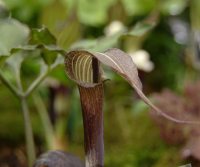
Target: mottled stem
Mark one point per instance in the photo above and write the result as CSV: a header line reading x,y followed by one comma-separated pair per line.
x,y
92,105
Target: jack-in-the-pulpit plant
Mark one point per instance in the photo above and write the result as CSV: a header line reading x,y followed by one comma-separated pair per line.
x,y
85,69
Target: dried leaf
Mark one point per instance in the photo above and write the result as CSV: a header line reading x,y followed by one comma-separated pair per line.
x,y
123,64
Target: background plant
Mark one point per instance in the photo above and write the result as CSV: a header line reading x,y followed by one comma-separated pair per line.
x,y
73,27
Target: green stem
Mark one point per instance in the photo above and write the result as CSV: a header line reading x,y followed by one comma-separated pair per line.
x,y
37,82
42,76
28,132
22,96
30,148
10,86
48,128
28,127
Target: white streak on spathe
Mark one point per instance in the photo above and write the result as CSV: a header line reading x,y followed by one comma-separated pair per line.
x,y
85,71
76,68
80,68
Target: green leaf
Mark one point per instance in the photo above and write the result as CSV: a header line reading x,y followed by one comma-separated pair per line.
x,y
144,26
106,42
69,33
54,16
62,22
173,7
15,61
100,44
4,12
25,10
93,12
48,53
30,67
42,36
23,48
43,40
139,7
13,34
84,44
141,29
49,56
2,59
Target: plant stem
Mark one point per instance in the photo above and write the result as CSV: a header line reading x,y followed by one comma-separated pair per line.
x,y
36,83
22,96
38,80
10,86
48,128
30,148
92,105
28,133
27,121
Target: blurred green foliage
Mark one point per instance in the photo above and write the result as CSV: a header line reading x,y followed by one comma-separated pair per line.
x,y
168,51
36,33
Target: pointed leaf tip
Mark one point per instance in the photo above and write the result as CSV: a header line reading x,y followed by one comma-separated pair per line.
x,y
122,63
42,36
83,68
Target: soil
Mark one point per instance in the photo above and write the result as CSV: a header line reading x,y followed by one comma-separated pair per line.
x,y
12,156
